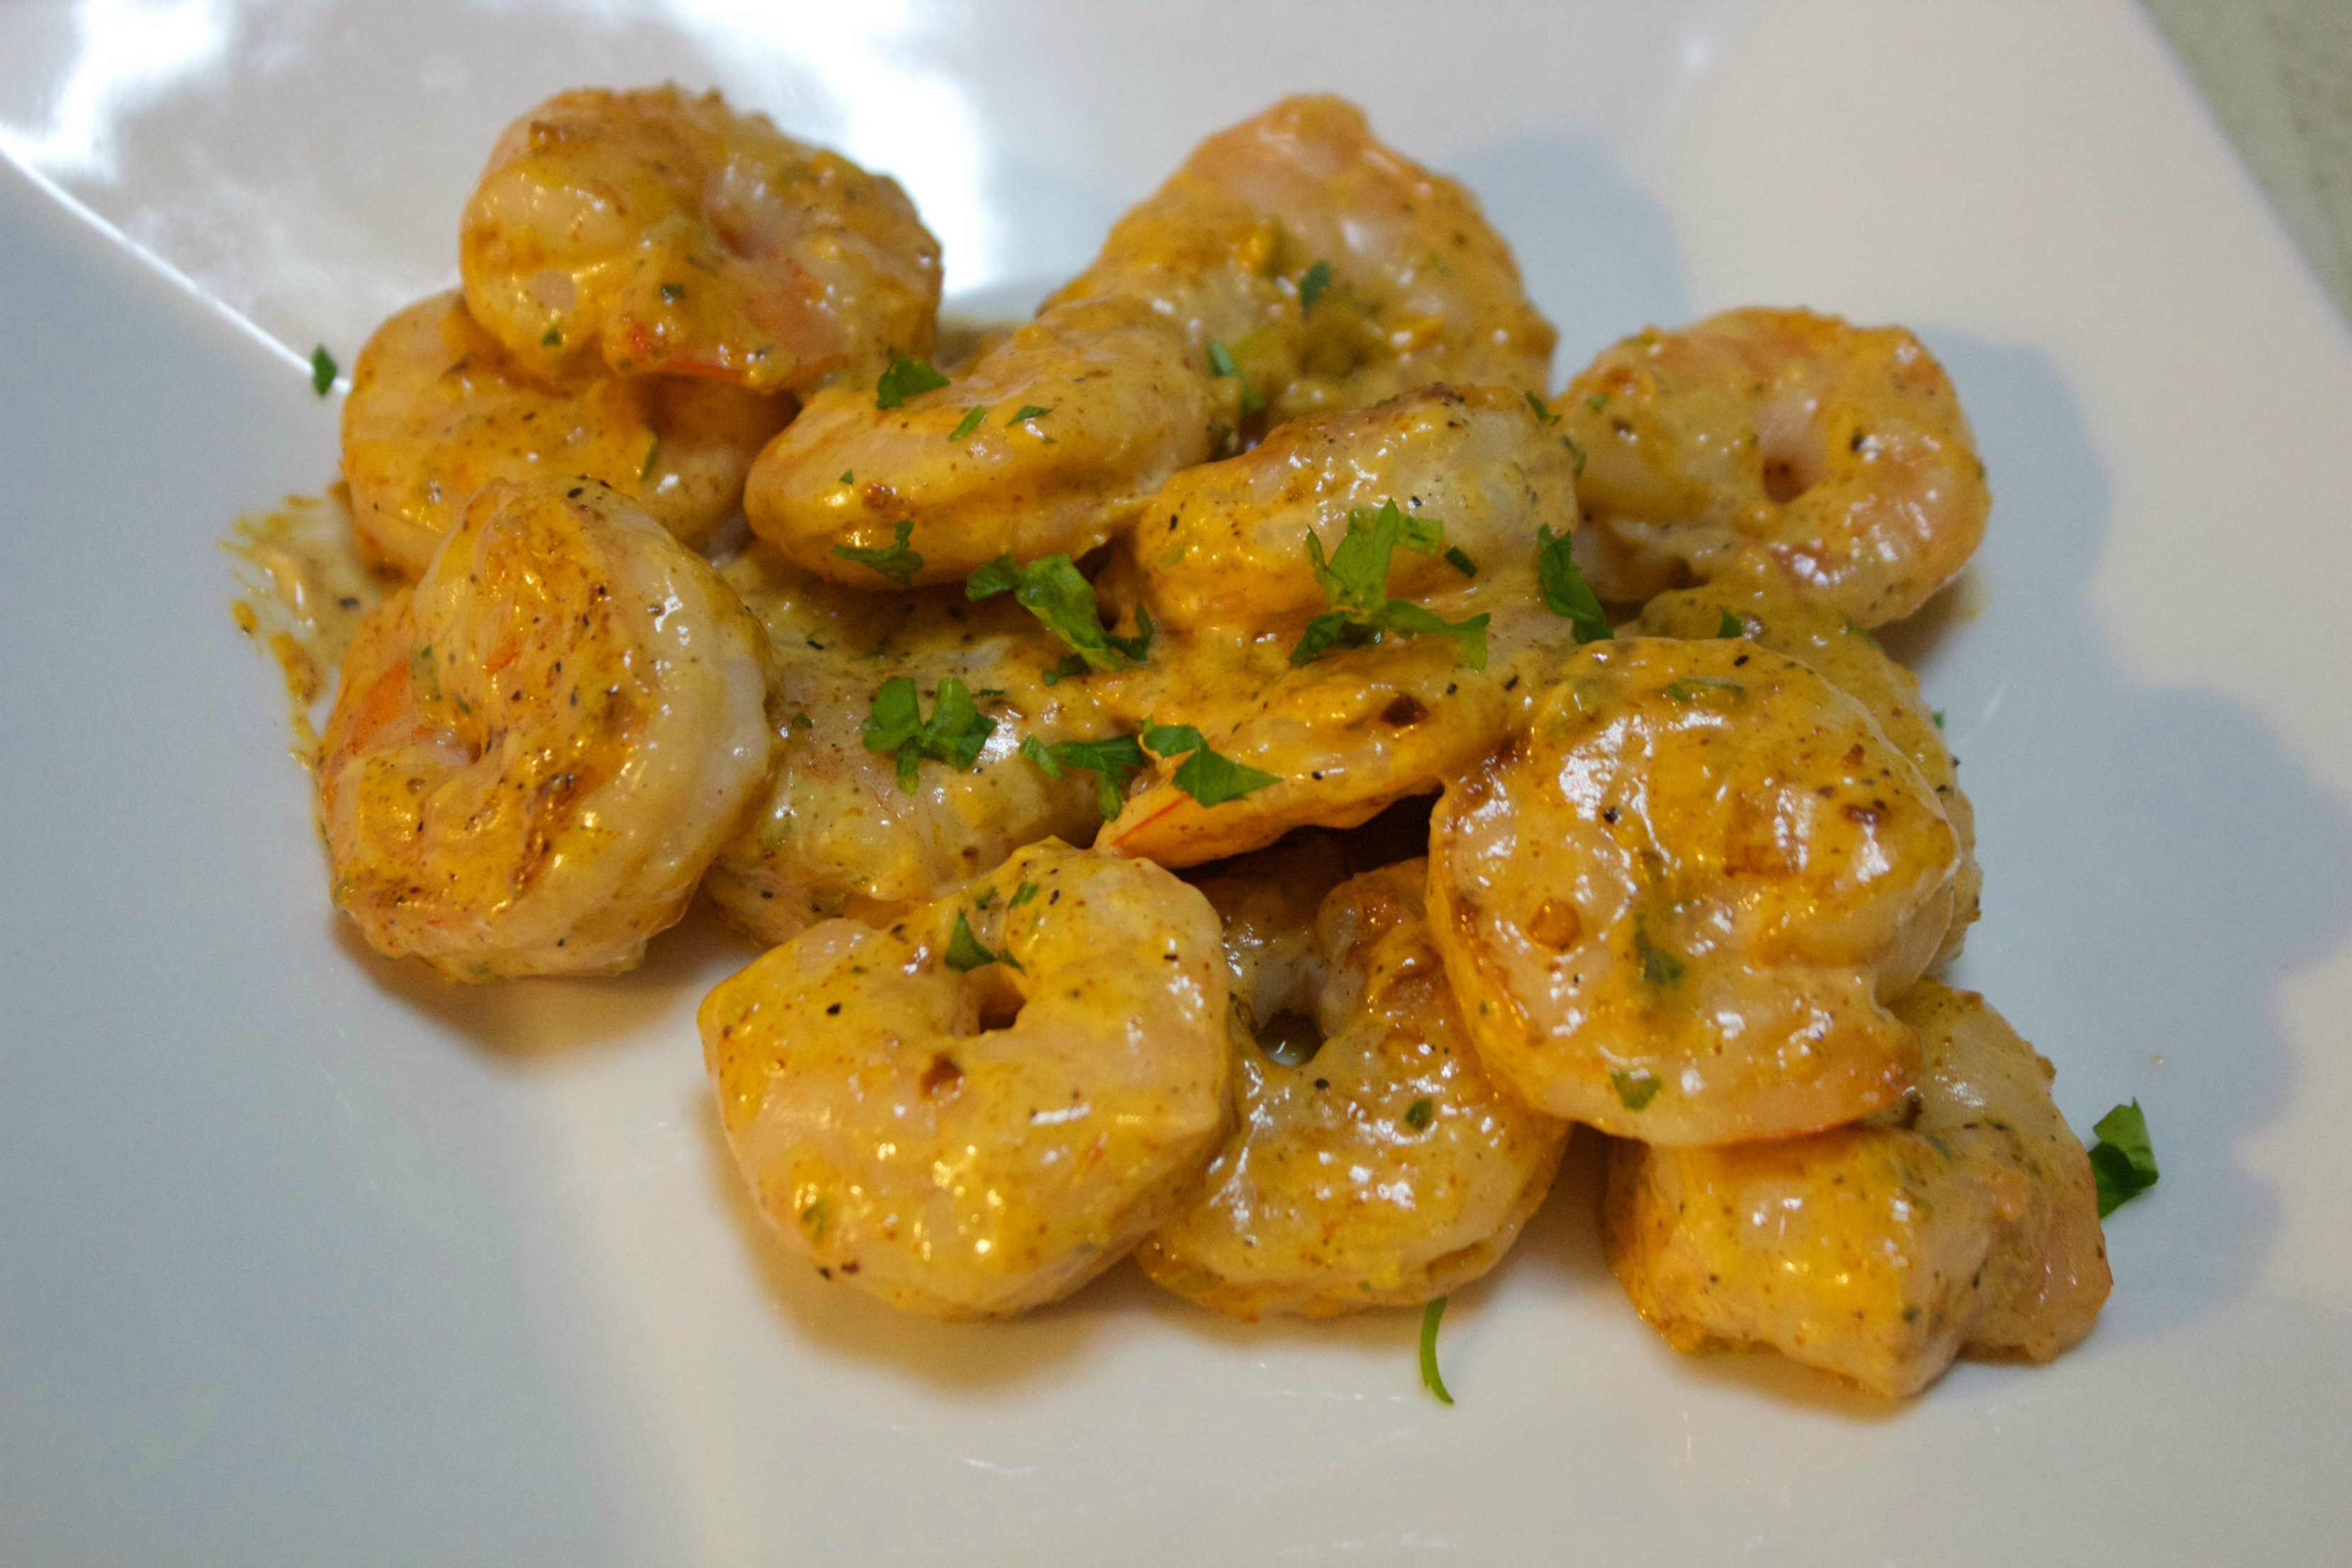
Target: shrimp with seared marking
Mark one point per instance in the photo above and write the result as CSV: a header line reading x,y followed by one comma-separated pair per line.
x,y
1833,456
982,1108
1964,1222
644,231
1046,444
438,407
836,833
1334,272
1675,903
1223,556
1836,648
537,750
1375,1164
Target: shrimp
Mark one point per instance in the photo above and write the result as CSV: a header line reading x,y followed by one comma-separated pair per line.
x,y
1223,556
1967,1223
1383,1169
1046,444
437,407
1335,272
982,1108
835,833
1673,903
536,751
1840,651
1835,456
651,231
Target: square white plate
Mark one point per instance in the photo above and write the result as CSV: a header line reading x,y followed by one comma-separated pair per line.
x,y
307,1259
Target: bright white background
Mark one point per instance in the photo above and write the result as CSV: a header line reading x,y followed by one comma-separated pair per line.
x,y
305,1257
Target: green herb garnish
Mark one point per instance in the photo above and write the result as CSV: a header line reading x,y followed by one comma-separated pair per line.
x,y
1730,626
1693,687
1355,585
1544,415
1055,592
1208,778
1939,717
1311,284
904,379
850,476
1021,895
672,293
2123,1161
1028,412
899,564
1565,592
1111,760
965,954
1419,1114
969,422
1659,967
953,735
646,468
1221,360
1430,1316
1574,451
1070,669
1635,1089
322,370
1597,402
1460,561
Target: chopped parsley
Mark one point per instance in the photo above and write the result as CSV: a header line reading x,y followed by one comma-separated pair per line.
x,y
1939,717
322,370
1028,412
646,468
1597,402
1021,895
1730,626
2123,1161
1221,360
1208,778
1311,284
803,721
1430,1316
672,293
1053,591
1574,451
1565,592
1635,1089
1457,558
1111,760
1419,1114
1543,416
850,476
969,422
904,379
1355,578
1854,628
965,954
1070,669
899,564
1659,967
953,735
1693,687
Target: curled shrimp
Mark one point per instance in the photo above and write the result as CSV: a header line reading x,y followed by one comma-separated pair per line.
x,y
1836,456
1674,904
1966,1222
984,1106
1837,649
536,751
652,231
1375,1164
1334,271
837,832
1047,443
438,408
1223,556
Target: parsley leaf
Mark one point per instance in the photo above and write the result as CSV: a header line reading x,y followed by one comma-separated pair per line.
x,y
1543,416
1939,717
1055,592
969,422
322,370
903,380
953,735
1221,360
1021,895
1574,451
1208,778
1597,402
1693,687
899,564
1070,669
1431,1316
1419,1114
1028,412
1659,967
1565,592
1731,625
646,468
850,476
1111,760
1355,578
2123,1161
965,954
1460,561
1635,1089
1311,284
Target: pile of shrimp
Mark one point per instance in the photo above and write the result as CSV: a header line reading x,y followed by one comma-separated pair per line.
x,y
1231,772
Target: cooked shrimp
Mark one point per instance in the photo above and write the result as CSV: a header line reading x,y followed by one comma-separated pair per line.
x,y
1383,1169
438,407
1673,903
1837,454
835,833
1965,1222
537,750
1837,649
652,231
1225,544
1047,444
1334,271
982,1108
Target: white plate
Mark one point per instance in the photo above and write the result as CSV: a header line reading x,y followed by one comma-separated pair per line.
x,y
304,1258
